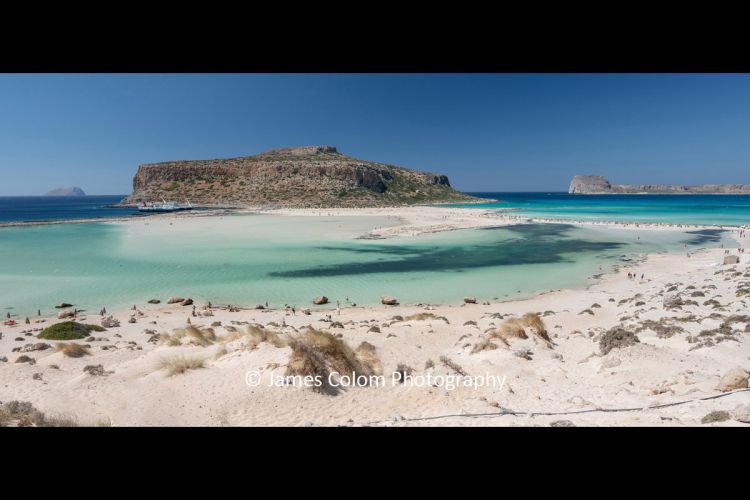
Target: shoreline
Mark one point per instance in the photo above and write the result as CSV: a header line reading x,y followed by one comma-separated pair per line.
x,y
567,376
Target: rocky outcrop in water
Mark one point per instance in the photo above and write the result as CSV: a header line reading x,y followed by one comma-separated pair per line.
x,y
310,176
596,184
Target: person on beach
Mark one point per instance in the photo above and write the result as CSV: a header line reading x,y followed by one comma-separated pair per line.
x,y
27,321
38,312
294,311
7,315
338,308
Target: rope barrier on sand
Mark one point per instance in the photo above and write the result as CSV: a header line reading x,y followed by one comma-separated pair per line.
x,y
506,411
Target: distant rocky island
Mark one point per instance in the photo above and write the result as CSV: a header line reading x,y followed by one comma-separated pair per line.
x,y
69,191
311,176
596,184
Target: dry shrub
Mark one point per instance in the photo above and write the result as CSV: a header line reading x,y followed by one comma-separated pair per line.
x,y
516,328
533,321
617,338
483,345
317,353
180,364
305,361
367,354
510,328
404,371
72,350
24,414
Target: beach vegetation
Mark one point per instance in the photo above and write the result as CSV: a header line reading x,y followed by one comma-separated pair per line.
x,y
24,414
483,345
617,338
452,365
180,364
403,371
69,330
533,321
510,328
425,316
72,350
367,354
317,354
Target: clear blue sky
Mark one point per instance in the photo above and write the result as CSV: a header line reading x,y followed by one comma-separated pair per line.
x,y
486,132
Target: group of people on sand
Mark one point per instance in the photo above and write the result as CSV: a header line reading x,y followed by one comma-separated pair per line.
x,y
634,276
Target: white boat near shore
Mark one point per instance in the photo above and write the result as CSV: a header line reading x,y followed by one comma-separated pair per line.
x,y
164,206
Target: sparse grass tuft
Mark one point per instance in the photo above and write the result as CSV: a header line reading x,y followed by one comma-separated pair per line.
x,y
366,353
533,321
180,364
452,365
424,317
24,414
510,328
72,350
483,345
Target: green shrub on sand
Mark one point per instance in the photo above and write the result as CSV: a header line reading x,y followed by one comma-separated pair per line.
x,y
69,330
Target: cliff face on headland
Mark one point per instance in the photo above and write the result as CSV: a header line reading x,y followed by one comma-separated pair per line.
x,y
310,176
595,184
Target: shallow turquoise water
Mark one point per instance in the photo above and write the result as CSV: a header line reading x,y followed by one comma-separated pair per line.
x,y
249,259
678,209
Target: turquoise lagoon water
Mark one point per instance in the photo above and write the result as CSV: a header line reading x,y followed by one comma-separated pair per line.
x,y
250,259
731,210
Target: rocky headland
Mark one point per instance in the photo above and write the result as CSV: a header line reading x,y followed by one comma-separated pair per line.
x,y
312,176
596,184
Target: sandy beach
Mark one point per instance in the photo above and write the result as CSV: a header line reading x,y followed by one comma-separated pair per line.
x,y
653,350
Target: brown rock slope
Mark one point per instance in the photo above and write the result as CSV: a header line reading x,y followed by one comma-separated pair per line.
x,y
301,177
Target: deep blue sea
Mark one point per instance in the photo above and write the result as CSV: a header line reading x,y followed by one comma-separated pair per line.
x,y
678,209
45,208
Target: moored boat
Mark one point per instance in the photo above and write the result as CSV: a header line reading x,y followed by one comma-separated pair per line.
x,y
164,206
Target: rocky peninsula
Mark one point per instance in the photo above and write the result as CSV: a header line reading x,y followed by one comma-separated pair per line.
x,y
596,184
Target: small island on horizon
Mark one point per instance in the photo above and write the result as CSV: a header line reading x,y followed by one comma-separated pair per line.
x,y
66,191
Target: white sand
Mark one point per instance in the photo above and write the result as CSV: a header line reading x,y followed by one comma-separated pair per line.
x,y
571,376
